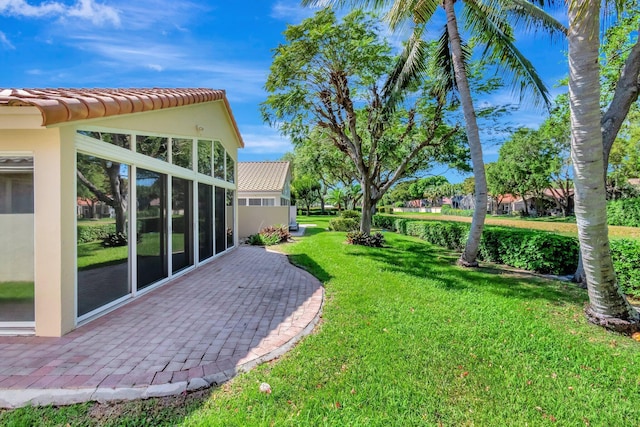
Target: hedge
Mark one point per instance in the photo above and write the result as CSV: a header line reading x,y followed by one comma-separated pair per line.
x,y
626,263
448,210
624,212
344,224
94,232
534,250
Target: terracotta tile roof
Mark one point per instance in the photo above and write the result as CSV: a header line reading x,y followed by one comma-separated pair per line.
x,y
262,176
66,105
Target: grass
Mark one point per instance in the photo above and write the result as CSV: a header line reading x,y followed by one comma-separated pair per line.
x,y
93,254
563,226
16,291
408,338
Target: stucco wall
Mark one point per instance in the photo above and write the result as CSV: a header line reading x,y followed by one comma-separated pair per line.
x,y
252,218
16,250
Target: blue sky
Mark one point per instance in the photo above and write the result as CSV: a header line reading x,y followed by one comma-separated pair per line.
x,y
164,43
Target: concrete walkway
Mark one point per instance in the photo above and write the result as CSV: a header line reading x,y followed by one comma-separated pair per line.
x,y
242,309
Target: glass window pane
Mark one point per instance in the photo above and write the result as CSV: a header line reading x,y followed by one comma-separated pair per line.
x,y
219,160
255,202
221,241
268,202
230,169
181,224
121,140
102,243
181,150
151,245
204,157
205,221
242,202
152,146
16,240
230,218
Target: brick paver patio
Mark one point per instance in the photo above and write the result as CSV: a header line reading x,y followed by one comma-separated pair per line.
x,y
243,308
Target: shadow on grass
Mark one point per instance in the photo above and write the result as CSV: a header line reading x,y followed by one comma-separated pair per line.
x,y
307,263
422,260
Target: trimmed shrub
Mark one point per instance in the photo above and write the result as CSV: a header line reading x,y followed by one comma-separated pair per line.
x,y
451,235
344,224
626,262
375,240
271,235
94,232
383,221
351,214
531,250
399,204
625,212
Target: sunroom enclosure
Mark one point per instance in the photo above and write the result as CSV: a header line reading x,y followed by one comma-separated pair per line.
x,y
106,194
149,191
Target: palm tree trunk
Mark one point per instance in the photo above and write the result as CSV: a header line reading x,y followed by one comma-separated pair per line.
x,y
468,257
607,305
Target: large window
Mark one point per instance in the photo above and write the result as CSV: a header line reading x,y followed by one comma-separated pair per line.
x,y
102,244
181,150
221,223
230,230
16,239
153,146
204,157
231,170
181,224
151,246
218,160
205,221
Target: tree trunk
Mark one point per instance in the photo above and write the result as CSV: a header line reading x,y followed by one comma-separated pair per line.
x,y
607,305
367,205
468,258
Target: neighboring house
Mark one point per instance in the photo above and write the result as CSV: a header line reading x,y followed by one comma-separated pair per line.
x,y
264,196
161,163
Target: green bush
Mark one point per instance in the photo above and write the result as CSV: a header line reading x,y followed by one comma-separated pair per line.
x,y
624,212
114,240
383,221
94,232
343,224
351,214
532,250
626,262
451,235
399,204
375,240
271,235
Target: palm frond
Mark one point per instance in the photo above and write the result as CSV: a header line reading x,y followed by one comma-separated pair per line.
x,y
408,70
420,11
496,34
441,64
532,17
360,4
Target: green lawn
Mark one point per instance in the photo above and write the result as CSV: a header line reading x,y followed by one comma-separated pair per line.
x,y
409,339
16,291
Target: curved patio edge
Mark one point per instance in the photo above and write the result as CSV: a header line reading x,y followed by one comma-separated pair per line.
x,y
198,378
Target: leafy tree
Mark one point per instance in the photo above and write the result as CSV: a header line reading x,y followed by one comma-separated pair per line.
x,y
488,22
306,190
326,78
498,184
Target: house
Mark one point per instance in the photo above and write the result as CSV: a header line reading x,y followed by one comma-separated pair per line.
x,y
264,196
82,170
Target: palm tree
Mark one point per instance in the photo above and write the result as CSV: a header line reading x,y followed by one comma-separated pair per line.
x,y
608,306
486,19
337,197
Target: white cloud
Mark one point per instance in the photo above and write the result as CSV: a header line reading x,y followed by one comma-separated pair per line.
x,y
155,67
291,11
97,13
4,41
263,140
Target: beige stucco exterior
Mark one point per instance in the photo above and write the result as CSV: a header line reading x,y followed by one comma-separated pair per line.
x,y
253,218
55,204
